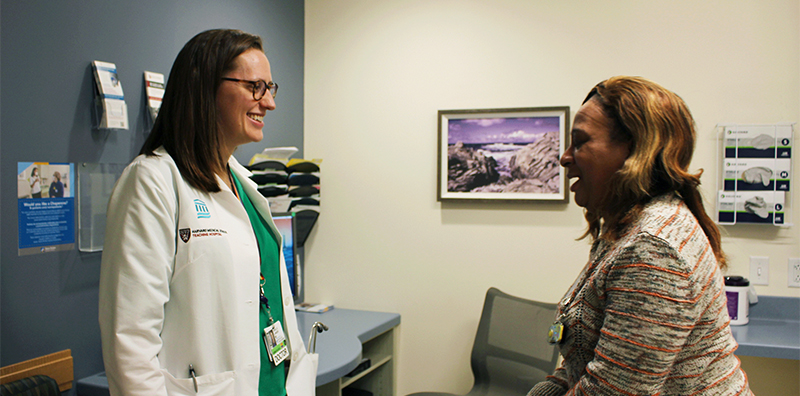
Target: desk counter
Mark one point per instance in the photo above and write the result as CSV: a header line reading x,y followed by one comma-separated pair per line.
x,y
773,330
340,348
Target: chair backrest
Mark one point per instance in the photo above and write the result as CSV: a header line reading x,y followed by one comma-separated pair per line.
x,y
37,385
511,352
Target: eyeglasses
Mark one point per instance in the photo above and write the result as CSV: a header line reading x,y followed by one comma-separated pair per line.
x,y
260,87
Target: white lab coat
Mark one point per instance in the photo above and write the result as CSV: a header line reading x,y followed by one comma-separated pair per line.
x,y
179,285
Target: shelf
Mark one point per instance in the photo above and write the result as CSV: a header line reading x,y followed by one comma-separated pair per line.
x,y
353,337
379,377
347,381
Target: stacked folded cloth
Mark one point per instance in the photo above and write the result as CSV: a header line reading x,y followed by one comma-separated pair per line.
x,y
291,185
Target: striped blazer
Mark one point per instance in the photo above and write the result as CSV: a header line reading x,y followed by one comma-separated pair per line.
x,y
648,315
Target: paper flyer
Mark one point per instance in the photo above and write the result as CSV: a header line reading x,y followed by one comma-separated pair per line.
x,y
114,110
46,205
154,88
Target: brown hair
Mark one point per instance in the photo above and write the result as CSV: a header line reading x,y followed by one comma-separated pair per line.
x,y
660,131
187,122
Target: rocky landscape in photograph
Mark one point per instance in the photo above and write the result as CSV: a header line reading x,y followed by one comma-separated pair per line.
x,y
505,168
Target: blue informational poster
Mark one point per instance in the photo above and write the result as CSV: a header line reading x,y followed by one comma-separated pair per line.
x,y
46,205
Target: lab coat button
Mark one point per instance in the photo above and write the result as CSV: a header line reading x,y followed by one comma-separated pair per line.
x,y
287,301
249,301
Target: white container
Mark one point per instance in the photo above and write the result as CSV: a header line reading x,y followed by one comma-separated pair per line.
x,y
740,295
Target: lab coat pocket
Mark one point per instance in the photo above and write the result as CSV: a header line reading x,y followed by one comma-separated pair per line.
x,y
217,384
302,379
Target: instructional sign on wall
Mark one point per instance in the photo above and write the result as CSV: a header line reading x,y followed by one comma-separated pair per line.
x,y
46,205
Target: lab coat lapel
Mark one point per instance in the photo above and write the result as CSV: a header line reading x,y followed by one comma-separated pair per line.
x,y
262,205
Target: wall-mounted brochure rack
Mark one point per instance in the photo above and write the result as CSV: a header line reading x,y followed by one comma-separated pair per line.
x,y
755,183
95,184
110,110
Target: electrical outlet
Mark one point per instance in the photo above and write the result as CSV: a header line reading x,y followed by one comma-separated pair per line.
x,y
759,270
794,272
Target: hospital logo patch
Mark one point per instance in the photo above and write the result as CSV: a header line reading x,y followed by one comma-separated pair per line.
x,y
202,209
185,234
208,232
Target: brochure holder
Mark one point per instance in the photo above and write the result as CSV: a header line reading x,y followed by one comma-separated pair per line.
x,y
110,110
95,184
755,181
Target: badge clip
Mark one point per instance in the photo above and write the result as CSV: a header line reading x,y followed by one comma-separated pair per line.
x,y
556,333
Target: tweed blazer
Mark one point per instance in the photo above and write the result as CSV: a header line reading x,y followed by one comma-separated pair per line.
x,y
648,315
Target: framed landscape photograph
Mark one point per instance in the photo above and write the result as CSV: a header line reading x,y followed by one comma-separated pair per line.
x,y
502,154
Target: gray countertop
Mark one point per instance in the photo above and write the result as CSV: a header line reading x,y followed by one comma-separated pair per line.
x,y
773,330
339,348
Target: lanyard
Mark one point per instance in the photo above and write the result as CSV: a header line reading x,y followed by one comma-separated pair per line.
x,y
263,298
274,338
233,185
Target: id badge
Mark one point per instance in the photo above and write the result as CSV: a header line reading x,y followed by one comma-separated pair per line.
x,y
275,341
556,333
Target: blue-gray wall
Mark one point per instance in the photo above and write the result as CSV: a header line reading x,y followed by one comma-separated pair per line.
x,y
49,301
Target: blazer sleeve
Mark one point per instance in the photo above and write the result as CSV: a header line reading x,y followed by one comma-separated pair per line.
x,y
136,267
554,385
651,309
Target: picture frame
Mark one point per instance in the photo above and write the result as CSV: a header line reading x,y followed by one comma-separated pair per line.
x,y
502,154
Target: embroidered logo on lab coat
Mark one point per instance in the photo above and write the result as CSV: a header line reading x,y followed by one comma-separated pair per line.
x,y
202,209
185,234
208,232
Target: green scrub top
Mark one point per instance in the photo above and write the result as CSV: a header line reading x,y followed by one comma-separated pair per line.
x,y
272,380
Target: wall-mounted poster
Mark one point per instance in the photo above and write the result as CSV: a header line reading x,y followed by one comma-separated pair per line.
x,y
46,205
502,154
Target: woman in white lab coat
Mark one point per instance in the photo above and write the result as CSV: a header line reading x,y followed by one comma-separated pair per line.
x,y
193,282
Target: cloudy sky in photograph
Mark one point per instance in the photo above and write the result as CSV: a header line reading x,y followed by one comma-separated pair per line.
x,y
499,130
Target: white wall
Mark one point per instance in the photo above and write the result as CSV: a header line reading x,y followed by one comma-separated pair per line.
x,y
376,72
